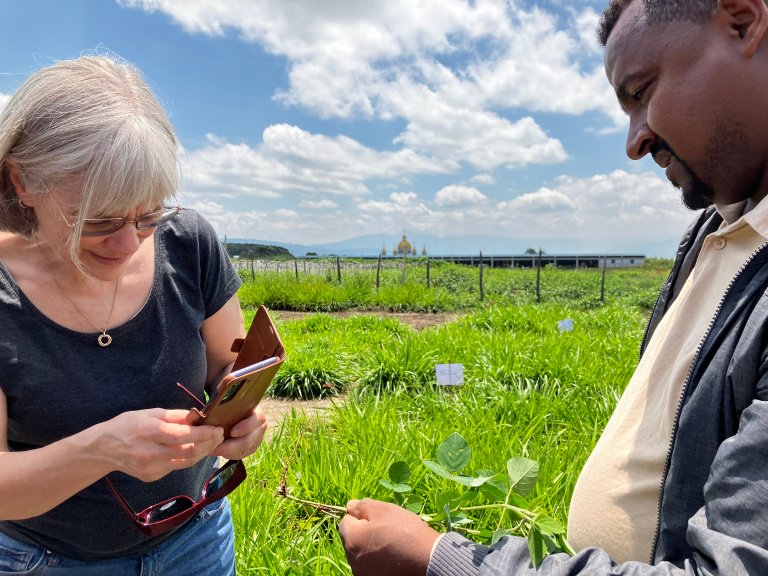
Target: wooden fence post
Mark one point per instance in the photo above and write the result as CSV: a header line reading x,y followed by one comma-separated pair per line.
x,y
428,283
602,280
378,273
253,272
296,267
405,255
338,269
482,292
538,278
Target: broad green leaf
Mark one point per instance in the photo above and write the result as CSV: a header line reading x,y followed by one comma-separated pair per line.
x,y
449,498
549,525
519,501
471,481
454,453
499,534
438,469
523,473
536,546
394,487
459,519
496,488
413,503
551,543
447,513
399,472
469,496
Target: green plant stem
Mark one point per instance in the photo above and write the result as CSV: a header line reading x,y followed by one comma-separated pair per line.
x,y
527,514
503,511
329,509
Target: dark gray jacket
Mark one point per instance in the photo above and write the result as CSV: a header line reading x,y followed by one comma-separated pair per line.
x,y
713,505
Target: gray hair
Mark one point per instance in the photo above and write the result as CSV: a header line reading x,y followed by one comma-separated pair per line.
x,y
91,120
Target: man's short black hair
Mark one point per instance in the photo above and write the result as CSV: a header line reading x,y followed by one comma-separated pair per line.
x,y
656,12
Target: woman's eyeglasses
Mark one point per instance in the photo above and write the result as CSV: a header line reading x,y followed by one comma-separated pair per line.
x,y
106,226
168,514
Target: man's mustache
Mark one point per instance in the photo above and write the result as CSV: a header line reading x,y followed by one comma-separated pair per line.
x,y
662,153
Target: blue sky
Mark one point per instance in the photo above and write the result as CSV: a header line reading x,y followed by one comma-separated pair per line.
x,y
314,121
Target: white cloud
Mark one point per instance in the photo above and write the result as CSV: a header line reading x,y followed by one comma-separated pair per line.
x,y
292,160
487,179
611,209
323,204
544,200
464,83
444,66
455,195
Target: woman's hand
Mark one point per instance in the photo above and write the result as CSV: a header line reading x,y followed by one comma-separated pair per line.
x,y
382,539
245,437
148,444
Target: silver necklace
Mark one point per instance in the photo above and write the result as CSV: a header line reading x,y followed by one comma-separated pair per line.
x,y
103,339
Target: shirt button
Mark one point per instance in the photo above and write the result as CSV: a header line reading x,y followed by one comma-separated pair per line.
x,y
719,243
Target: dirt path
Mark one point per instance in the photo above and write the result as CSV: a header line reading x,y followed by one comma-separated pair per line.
x,y
418,320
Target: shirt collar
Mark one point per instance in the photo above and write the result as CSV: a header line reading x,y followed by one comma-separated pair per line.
x,y
754,214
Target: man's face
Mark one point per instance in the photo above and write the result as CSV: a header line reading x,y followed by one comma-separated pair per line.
x,y
686,96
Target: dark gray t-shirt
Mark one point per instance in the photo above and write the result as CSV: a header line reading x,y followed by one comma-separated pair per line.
x,y
58,382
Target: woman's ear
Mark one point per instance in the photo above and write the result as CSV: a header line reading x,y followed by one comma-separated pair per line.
x,y
748,19
14,174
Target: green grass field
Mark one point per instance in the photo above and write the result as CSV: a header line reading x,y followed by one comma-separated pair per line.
x,y
529,390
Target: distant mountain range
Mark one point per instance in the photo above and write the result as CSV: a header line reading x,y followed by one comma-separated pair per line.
x,y
371,245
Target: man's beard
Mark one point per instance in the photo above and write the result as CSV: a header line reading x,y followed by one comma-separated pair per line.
x,y
695,193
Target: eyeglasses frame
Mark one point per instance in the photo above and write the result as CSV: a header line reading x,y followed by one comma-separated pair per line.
x,y
170,210
153,529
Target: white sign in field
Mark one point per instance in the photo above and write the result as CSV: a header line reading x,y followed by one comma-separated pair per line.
x,y
449,374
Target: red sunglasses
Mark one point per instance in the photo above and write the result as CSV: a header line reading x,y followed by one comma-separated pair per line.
x,y
168,514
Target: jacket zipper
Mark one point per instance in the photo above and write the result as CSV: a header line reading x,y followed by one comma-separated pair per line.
x,y
686,383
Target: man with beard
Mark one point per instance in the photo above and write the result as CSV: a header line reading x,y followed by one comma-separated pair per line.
x,y
678,482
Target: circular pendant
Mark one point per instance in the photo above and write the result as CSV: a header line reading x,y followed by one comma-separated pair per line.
x,y
104,340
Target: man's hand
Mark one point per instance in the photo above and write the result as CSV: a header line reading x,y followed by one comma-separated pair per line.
x,y
382,539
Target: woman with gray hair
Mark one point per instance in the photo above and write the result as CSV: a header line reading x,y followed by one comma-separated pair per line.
x,y
110,294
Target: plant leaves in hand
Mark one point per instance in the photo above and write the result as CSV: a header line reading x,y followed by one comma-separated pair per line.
x,y
394,487
537,548
523,474
454,453
399,472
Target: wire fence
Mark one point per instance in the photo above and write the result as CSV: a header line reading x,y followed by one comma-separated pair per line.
x,y
338,268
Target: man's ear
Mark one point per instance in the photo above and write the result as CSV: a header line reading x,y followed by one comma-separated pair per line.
x,y
746,18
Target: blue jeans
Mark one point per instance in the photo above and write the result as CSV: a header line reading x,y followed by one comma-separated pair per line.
x,y
204,547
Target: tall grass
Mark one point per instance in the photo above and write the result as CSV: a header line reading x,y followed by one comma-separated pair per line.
x,y
529,390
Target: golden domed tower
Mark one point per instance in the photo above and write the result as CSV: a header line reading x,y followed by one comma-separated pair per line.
x,y
403,247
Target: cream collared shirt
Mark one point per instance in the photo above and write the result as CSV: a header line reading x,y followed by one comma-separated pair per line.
x,y
615,502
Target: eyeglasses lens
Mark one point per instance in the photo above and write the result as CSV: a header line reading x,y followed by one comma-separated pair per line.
x,y
168,510
219,481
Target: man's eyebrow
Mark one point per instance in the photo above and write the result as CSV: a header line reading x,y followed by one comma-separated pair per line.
x,y
622,90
